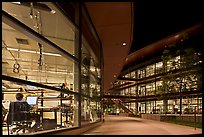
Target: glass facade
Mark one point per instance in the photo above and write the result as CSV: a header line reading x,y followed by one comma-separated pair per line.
x,y
170,84
49,22
44,54
90,87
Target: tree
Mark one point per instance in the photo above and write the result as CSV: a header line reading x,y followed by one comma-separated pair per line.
x,y
182,71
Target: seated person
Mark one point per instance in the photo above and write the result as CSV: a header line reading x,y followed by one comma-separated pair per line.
x,y
17,108
20,111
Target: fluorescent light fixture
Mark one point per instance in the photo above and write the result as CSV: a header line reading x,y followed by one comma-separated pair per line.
x,y
51,54
54,72
28,51
12,49
16,2
35,52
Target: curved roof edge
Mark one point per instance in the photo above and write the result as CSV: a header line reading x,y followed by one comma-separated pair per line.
x,y
160,45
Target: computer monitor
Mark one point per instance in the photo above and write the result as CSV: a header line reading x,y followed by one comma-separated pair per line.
x,y
32,100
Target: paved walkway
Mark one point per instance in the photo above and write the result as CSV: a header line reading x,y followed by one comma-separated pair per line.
x,y
120,125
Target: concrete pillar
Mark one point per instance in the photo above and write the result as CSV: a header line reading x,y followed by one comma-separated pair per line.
x,y
136,107
165,105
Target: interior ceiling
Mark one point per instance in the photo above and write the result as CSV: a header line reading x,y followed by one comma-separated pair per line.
x,y
55,69
112,21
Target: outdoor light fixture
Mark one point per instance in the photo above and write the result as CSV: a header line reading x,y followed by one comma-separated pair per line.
x,y
124,44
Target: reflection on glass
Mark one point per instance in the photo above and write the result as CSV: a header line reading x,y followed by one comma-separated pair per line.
x,y
90,111
90,73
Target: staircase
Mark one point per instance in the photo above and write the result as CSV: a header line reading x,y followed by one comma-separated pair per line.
x,y
119,103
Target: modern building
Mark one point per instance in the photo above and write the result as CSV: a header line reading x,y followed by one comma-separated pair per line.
x,y
48,53
75,61
168,84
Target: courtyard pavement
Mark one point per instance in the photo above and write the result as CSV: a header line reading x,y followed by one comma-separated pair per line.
x,y
121,125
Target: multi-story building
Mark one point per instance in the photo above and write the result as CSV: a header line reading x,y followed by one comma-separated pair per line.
x,y
47,52
169,83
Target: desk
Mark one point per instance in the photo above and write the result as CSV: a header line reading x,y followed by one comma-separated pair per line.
x,y
48,109
45,121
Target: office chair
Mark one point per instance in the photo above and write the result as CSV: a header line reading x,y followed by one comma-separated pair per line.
x,y
19,116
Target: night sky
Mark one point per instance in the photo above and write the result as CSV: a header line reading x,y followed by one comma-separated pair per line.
x,y
156,19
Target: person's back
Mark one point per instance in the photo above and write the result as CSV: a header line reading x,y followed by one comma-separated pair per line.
x,y
19,110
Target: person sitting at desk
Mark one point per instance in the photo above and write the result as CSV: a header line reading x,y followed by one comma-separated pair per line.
x,y
23,109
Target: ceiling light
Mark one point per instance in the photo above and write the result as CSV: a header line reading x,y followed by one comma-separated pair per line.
x,y
12,49
51,54
31,51
54,72
53,11
16,2
28,51
124,44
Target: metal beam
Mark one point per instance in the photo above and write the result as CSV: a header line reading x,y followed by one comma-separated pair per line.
x,y
8,78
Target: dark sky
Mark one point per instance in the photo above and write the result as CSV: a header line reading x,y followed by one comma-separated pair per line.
x,y
156,19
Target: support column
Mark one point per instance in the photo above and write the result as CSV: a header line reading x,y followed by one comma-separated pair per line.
x,y
77,66
165,104
136,107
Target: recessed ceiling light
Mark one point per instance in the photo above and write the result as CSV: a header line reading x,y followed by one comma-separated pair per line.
x,y
124,44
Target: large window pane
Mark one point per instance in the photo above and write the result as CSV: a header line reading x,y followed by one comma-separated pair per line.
x,y
46,19
34,63
53,109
